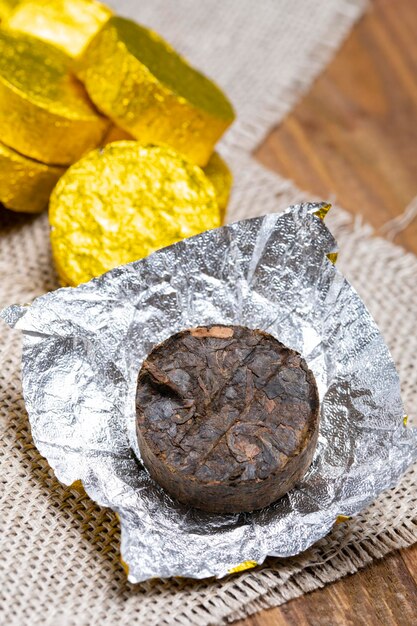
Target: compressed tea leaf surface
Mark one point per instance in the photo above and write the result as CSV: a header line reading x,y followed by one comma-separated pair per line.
x,y
227,417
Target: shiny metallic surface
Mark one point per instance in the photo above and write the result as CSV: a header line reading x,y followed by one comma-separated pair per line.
x,y
122,202
67,24
218,172
45,113
83,348
6,8
25,184
141,83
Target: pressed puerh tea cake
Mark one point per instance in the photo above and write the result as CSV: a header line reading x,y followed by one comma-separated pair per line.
x,y
227,417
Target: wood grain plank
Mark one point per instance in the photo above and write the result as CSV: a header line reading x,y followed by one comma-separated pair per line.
x,y
353,139
384,594
409,556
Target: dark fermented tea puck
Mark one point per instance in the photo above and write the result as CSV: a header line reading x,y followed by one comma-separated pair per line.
x,y
227,417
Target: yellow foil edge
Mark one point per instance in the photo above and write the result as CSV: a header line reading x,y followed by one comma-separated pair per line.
x,y
340,519
323,211
405,420
66,24
56,125
242,567
332,256
123,563
78,486
25,185
125,90
218,172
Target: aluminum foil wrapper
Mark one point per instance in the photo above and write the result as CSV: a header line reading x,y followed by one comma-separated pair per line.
x,y
83,348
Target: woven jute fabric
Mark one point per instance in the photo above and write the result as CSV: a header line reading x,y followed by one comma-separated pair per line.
x,y
59,561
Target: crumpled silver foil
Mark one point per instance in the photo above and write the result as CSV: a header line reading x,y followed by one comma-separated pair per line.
x,y
83,348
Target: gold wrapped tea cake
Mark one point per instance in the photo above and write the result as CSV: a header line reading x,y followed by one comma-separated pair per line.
x,y
6,8
146,88
216,170
221,177
44,112
67,24
117,134
123,202
25,185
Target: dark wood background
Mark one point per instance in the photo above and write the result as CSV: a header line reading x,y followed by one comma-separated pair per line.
x,y
354,138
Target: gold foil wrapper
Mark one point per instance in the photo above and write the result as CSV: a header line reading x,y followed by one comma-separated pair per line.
x,y
6,8
25,185
216,170
121,203
243,567
221,177
323,210
67,24
117,134
44,112
146,88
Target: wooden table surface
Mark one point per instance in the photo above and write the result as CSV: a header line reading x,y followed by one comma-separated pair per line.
x,y
354,138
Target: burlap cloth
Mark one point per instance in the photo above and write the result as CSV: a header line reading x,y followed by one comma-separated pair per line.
x,y
59,551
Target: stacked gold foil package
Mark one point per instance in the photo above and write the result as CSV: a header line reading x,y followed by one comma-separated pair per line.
x,y
123,122
67,24
47,121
